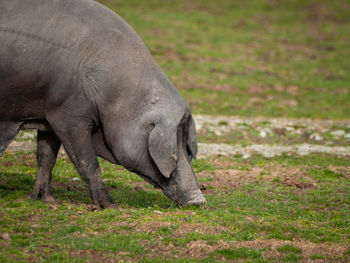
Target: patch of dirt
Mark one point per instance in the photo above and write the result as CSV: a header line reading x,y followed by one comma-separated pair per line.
x,y
97,256
155,224
263,19
30,164
290,102
344,170
257,101
7,164
223,87
230,179
226,180
6,238
193,82
139,186
293,90
156,31
308,248
257,89
194,249
34,221
69,186
217,162
201,249
318,12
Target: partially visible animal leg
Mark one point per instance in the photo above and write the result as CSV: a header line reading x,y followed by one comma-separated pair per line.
x,y
8,131
47,149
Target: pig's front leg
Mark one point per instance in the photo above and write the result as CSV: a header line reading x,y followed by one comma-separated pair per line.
x,y
79,146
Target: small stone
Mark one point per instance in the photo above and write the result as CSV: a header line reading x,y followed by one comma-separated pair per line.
x,y
218,132
158,212
268,130
6,237
28,135
316,137
262,134
76,179
347,136
53,207
338,133
199,126
246,156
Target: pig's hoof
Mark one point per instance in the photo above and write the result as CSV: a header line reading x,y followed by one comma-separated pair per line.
x,y
102,199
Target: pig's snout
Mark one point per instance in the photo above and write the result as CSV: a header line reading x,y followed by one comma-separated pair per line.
x,y
197,199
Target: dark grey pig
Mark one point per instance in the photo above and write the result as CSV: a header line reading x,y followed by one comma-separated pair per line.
x,y
79,74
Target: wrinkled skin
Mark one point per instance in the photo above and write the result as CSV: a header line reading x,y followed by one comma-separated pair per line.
x,y
79,74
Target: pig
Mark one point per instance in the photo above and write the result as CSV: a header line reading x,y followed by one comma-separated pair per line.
x,y
81,76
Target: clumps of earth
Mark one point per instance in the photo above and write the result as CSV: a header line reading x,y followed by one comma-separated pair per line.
x,y
229,179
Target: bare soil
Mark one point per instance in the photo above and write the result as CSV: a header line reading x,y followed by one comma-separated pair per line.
x,y
201,249
230,179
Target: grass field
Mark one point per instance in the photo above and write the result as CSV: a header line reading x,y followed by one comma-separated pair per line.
x,y
285,209
248,58
252,58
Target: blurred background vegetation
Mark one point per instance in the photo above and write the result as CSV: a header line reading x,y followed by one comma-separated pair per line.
x,y
250,58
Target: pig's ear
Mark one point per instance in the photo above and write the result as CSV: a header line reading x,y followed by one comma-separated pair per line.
x,y
192,138
162,146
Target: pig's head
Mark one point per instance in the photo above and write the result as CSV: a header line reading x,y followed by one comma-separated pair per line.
x,y
171,149
158,143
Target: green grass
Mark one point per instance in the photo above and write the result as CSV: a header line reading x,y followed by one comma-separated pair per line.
x,y
289,249
250,58
257,211
239,253
291,254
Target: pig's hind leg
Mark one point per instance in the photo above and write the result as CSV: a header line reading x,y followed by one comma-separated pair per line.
x,y
47,150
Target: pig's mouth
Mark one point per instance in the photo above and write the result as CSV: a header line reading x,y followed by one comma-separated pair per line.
x,y
195,197
172,191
